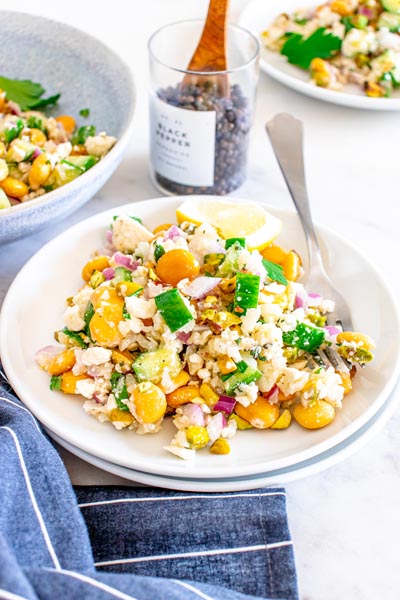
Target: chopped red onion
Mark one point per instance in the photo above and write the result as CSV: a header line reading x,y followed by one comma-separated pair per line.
x,y
215,426
193,413
37,152
173,232
214,247
366,11
14,107
201,286
184,337
46,354
109,273
273,394
332,330
225,403
126,261
313,295
109,235
298,302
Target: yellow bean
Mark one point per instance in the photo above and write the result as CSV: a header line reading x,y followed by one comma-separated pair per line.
x,y
183,395
99,263
13,187
37,137
261,414
69,381
361,339
123,416
62,362
149,402
292,266
40,171
316,415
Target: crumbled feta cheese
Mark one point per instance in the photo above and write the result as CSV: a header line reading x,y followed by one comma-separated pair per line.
x,y
99,145
95,356
72,318
86,387
140,308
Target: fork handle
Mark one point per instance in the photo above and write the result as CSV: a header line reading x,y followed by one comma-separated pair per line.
x,y
286,136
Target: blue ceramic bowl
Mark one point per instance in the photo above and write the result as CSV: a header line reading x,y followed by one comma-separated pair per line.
x,y
89,75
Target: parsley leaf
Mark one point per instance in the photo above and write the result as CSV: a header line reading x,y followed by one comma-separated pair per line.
x,y
304,337
274,271
84,112
26,93
301,51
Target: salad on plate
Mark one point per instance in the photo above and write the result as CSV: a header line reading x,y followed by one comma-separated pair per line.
x,y
342,42
205,322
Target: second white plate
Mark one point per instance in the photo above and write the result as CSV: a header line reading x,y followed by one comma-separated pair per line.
x,y
33,310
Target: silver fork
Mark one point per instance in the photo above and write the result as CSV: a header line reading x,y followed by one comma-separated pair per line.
x,y
286,136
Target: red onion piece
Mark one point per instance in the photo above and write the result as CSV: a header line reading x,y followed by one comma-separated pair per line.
x,y
200,287
214,247
109,235
45,355
37,152
173,232
332,330
193,413
14,108
226,404
313,295
273,394
366,11
298,302
215,426
109,273
184,337
126,261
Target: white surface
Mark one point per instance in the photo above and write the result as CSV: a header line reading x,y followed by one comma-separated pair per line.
x,y
258,16
278,477
344,521
60,262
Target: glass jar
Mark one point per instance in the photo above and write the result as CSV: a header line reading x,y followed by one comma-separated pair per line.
x,y
200,121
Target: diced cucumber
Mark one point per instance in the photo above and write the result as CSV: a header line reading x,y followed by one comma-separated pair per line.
x,y
390,21
84,163
246,292
230,264
243,376
122,274
173,309
4,201
392,6
149,366
62,173
20,151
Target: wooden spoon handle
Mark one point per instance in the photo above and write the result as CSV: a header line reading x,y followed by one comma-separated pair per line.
x,y
210,54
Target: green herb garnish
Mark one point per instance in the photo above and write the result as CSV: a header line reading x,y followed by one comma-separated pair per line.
x,y
301,51
55,382
304,337
274,271
84,112
81,135
26,93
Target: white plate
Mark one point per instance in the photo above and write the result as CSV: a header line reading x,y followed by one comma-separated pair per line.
x,y
258,15
33,310
272,478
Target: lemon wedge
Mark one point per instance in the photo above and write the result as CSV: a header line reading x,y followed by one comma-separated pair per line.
x,y
233,219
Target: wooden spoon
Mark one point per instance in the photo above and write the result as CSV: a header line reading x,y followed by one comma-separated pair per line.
x,y
210,54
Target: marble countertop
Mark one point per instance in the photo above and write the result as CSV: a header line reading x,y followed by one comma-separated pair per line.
x,y
345,520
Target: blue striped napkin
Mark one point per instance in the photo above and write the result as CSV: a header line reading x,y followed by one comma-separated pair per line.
x,y
129,542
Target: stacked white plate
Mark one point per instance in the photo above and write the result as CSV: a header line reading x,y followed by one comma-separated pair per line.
x,y
33,310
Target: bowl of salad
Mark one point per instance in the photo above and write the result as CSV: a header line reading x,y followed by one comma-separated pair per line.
x,y
64,120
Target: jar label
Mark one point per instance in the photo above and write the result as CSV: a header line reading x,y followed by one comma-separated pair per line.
x,y
182,143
